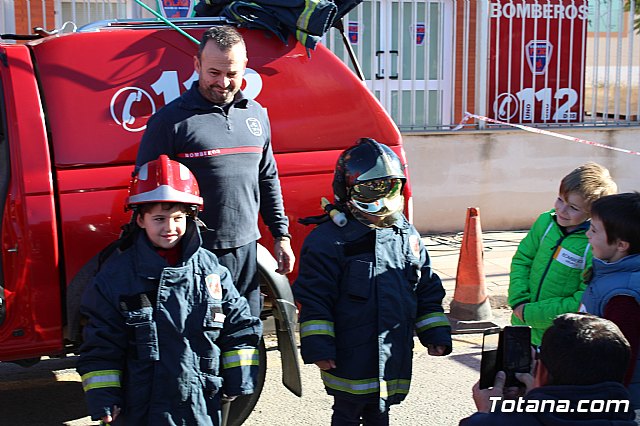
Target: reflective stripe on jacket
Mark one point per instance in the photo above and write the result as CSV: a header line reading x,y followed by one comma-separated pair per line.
x,y
156,334
362,293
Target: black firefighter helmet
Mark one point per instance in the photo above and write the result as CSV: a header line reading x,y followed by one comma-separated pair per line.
x,y
368,180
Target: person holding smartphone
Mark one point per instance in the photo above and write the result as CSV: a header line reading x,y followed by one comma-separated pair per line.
x,y
507,349
582,359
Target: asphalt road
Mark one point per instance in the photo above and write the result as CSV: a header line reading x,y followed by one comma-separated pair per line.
x,y
50,394
440,391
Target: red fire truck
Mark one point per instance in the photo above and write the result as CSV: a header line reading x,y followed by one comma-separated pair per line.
x,y
73,108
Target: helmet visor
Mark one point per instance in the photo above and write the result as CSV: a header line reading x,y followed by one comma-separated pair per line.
x,y
374,190
382,207
380,197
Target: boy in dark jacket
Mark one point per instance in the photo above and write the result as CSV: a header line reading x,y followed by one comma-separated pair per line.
x,y
364,289
168,335
614,282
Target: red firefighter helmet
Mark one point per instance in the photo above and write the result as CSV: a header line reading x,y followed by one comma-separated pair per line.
x,y
164,181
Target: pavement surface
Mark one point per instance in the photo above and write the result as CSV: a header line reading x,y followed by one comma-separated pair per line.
x,y
499,247
49,393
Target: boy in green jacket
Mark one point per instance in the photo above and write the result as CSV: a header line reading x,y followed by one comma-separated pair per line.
x,y
546,271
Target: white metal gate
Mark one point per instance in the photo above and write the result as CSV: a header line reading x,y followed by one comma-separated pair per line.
x,y
405,50
83,12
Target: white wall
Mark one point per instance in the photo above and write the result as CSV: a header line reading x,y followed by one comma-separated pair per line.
x,y
511,175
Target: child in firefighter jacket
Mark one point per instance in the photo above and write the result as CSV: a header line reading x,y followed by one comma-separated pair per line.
x,y
168,335
364,289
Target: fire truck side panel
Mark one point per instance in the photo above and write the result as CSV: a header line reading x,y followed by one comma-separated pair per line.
x,y
118,78
33,323
99,89
92,211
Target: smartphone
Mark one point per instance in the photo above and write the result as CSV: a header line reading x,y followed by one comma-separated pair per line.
x,y
516,352
491,357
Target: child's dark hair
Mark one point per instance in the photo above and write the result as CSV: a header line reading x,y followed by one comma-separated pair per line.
x,y
145,208
620,216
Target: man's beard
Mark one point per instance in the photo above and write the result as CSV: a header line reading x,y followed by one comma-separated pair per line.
x,y
214,96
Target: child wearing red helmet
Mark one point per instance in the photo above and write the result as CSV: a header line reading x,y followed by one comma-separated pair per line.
x,y
167,334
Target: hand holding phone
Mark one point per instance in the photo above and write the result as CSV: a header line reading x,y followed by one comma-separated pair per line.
x,y
516,352
491,358
507,350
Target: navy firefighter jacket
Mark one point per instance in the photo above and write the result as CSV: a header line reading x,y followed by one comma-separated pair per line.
x,y
163,343
362,294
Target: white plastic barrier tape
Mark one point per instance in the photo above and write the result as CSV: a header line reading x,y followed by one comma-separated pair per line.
x,y
468,115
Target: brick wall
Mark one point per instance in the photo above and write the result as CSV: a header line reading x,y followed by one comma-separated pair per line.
x,y
33,10
470,14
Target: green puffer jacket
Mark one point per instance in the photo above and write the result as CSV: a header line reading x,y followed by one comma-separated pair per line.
x,y
546,273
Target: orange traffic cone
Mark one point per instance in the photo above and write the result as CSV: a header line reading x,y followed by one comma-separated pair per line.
x,y
470,301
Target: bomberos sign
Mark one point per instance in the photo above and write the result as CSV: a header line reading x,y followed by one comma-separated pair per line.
x,y
536,66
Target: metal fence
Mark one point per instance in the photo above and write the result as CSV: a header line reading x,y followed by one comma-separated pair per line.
x,y
83,12
536,62
545,63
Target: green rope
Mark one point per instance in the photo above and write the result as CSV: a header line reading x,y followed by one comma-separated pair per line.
x,y
166,21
